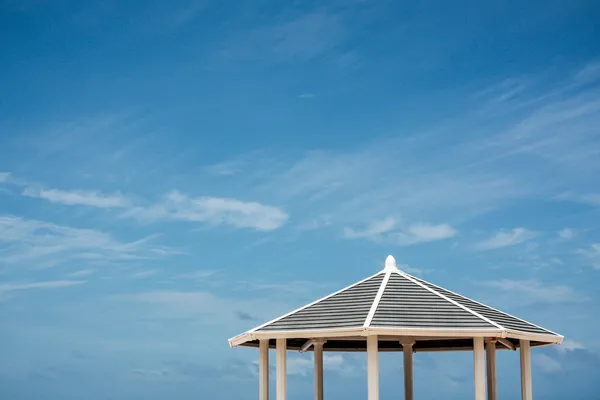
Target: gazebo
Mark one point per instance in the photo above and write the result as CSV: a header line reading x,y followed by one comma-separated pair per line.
x,y
395,311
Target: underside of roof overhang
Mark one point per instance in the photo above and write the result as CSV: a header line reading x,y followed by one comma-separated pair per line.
x,y
392,344
355,339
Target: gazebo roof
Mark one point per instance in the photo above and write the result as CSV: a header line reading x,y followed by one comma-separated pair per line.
x,y
393,304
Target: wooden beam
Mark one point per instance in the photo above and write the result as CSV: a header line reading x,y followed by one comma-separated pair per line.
x,y
507,343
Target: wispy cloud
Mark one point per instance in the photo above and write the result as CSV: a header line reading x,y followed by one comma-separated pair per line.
x,y
389,230
566,233
337,363
33,243
592,253
196,275
81,273
505,239
569,345
191,304
535,291
143,274
38,285
306,95
212,210
78,197
374,230
175,206
547,364
7,288
295,39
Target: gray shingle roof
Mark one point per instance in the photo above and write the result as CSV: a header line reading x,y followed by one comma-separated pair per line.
x,y
346,309
405,304
503,319
393,299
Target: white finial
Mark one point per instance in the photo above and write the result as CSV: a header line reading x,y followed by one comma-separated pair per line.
x,y
390,263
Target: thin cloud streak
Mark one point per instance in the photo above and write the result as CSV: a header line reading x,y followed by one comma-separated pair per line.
x,y
78,197
11,287
505,239
212,210
175,206
33,243
535,291
390,230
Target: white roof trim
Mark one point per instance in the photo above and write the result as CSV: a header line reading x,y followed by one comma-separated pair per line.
x,y
411,278
495,309
377,299
536,337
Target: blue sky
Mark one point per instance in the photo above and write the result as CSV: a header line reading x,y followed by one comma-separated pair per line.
x,y
173,174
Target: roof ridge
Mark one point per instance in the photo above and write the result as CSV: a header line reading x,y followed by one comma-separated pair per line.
x,y
414,280
377,299
495,309
313,303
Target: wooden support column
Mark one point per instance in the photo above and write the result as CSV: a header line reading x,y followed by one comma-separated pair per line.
x,y
479,368
281,366
373,367
490,358
407,350
318,355
264,370
526,386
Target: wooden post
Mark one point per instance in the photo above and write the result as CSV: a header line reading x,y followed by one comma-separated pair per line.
x,y
318,355
280,345
407,350
373,367
479,368
490,358
526,386
264,370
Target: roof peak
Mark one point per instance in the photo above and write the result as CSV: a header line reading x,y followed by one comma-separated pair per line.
x,y
390,264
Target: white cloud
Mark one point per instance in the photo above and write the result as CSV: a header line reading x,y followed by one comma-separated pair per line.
x,y
505,239
535,291
422,232
81,272
36,243
547,364
566,233
197,275
173,206
569,345
298,39
304,365
4,176
217,307
143,274
306,95
388,230
212,210
11,287
77,197
373,231
592,254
